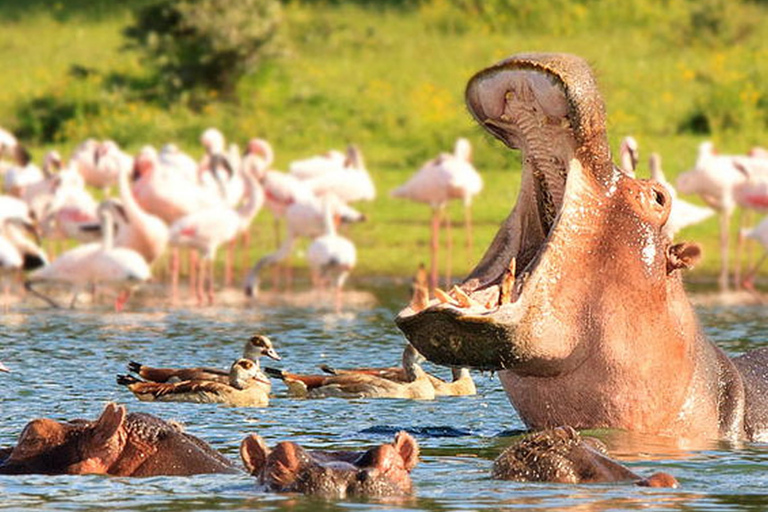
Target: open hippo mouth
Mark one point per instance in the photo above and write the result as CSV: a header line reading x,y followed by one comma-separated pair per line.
x,y
547,106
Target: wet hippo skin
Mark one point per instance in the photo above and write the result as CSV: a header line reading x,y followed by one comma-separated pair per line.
x,y
117,443
382,471
561,455
579,302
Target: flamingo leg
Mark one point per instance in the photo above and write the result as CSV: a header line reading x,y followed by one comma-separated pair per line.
x,y
449,249
211,263
200,282
434,243
725,221
739,250
121,299
749,280
175,276
229,262
468,229
245,246
194,263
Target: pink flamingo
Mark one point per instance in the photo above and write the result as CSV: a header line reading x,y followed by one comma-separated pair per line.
x,y
304,218
331,256
449,176
18,252
280,189
94,264
715,178
314,166
137,229
683,213
350,183
205,230
629,155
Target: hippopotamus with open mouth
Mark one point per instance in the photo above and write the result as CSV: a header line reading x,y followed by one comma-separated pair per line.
x,y
579,302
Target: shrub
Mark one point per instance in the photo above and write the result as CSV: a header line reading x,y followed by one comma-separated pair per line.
x,y
206,43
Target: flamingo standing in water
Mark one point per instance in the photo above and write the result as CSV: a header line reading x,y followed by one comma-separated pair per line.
x,y
724,182
205,230
449,176
304,218
331,257
18,252
94,264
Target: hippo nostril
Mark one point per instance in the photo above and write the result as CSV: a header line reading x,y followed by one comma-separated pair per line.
x,y
363,475
660,198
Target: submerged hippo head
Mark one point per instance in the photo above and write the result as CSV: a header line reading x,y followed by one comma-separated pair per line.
x,y
116,443
561,455
578,299
379,472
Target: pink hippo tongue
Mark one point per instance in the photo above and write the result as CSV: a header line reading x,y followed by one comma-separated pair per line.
x,y
546,105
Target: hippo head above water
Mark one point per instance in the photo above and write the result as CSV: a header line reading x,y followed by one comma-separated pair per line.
x,y
579,301
561,455
117,444
382,471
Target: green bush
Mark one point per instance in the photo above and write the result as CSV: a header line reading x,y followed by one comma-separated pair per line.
x,y
206,43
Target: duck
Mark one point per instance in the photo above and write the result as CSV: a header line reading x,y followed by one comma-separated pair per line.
x,y
461,384
246,388
256,346
415,385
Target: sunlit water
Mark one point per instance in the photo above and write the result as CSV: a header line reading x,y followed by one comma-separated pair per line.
x,y
65,364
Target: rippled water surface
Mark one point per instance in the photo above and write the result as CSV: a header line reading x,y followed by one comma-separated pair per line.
x,y
65,364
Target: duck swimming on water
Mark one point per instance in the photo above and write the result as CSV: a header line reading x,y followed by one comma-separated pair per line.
x,y
247,387
256,347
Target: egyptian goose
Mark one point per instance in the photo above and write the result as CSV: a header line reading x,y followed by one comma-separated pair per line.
x,y
247,387
416,384
461,385
256,346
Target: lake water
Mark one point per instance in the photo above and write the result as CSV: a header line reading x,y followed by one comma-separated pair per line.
x,y
64,365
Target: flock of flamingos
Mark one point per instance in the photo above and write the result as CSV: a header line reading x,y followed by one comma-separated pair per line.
x,y
164,201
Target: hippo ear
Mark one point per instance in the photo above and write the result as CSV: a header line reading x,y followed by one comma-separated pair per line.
x,y
683,256
109,423
254,452
408,449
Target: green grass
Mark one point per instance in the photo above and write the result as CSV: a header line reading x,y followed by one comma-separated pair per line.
x,y
391,80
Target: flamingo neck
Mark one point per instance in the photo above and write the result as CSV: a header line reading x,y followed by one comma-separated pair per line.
x,y
108,230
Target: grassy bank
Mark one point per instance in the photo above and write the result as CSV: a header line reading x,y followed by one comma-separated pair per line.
x,y
391,80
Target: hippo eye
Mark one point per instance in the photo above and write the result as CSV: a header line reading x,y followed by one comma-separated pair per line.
x,y
659,198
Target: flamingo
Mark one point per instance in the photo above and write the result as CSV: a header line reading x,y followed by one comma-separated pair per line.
x,y
171,156
17,252
280,189
714,178
22,175
350,183
228,185
758,233
331,256
449,176
136,229
110,161
304,218
683,213
93,264
8,146
629,155
207,229
314,166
